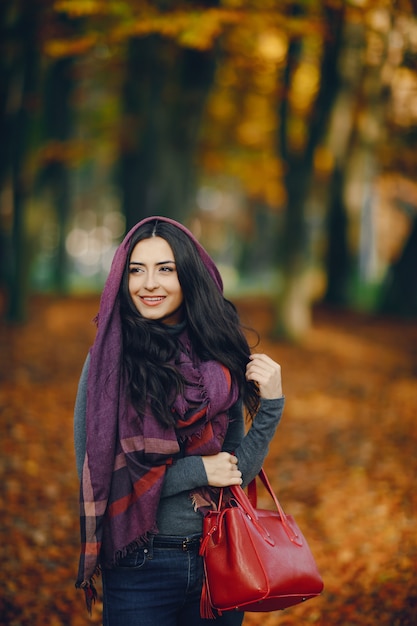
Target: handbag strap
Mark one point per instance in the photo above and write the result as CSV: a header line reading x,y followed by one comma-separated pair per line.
x,y
251,500
253,493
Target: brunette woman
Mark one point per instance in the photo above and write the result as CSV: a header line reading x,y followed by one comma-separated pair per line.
x,y
159,425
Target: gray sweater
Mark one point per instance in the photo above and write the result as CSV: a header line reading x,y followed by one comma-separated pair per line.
x,y
176,515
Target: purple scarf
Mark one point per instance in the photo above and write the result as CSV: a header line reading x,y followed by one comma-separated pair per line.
x,y
126,457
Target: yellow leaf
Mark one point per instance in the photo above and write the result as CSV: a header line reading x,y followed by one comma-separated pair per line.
x,y
61,48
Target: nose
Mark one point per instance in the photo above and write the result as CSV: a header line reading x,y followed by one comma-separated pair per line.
x,y
151,282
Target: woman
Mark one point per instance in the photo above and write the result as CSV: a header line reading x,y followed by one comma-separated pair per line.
x,y
159,425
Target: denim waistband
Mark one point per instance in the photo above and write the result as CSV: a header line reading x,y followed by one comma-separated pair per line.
x,y
174,542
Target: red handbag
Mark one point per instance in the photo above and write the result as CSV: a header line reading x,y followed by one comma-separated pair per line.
x,y
254,559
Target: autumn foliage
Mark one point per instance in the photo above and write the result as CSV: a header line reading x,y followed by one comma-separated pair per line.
x,y
343,463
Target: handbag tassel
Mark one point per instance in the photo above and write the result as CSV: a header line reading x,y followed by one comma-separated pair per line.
x,y
206,610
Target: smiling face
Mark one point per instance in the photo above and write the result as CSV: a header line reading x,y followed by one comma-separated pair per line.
x,y
153,281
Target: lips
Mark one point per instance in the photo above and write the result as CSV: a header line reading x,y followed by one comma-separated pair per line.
x,y
152,300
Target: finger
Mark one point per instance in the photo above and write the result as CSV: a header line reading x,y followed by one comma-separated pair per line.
x,y
263,367
260,363
260,357
257,373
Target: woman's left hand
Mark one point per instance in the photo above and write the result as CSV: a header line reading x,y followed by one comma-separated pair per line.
x,y
267,374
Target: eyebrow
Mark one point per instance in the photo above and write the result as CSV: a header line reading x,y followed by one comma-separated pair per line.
x,y
159,263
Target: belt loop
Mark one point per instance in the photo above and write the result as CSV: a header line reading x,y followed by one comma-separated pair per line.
x,y
149,547
185,545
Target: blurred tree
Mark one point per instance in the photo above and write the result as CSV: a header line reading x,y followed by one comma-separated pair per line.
x,y
5,158
165,57
399,294
337,258
302,131
57,155
166,81
333,66
55,172
164,92
369,132
19,70
269,114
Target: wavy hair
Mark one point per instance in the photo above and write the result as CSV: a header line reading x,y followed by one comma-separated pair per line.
x,y
213,326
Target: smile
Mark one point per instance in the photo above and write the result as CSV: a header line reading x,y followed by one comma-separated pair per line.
x,y
151,300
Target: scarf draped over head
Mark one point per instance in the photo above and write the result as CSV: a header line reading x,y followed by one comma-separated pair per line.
x,y
127,456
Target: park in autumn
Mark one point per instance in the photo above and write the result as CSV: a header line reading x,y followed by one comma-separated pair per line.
x,y
283,135
343,463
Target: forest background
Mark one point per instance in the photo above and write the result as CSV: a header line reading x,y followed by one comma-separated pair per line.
x,y
284,135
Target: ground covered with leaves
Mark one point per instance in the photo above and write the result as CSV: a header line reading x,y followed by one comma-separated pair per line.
x,y
343,463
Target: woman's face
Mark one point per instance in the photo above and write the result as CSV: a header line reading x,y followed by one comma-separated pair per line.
x,y
153,281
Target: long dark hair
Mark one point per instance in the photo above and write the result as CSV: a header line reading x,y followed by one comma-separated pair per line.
x,y
212,322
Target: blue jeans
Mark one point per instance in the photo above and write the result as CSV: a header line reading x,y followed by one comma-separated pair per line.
x,y
159,585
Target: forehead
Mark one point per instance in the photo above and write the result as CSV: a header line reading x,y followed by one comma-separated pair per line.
x,y
152,250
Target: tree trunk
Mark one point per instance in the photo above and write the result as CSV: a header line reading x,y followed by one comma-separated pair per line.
x,y
23,86
164,94
400,286
58,128
293,303
337,258
6,67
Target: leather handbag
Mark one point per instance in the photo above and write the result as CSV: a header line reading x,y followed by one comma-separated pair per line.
x,y
254,559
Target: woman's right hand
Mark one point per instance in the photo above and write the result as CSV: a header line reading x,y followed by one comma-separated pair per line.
x,y
222,470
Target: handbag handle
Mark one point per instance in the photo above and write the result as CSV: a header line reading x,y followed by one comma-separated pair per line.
x,y
252,490
249,502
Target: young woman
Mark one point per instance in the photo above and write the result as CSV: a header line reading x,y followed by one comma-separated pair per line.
x,y
159,425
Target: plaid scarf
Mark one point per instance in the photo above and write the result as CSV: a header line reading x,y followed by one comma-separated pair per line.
x,y
127,456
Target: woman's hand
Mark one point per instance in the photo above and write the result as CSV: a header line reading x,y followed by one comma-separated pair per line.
x,y
267,374
222,470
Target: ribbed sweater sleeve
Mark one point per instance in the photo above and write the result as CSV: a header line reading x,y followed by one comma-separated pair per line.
x,y
251,449
80,436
